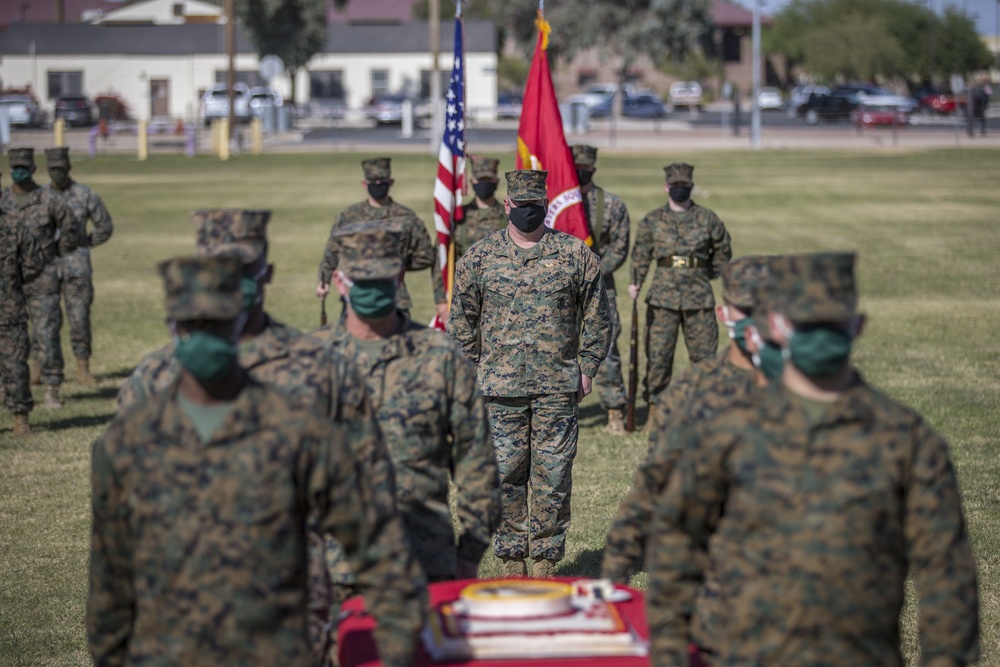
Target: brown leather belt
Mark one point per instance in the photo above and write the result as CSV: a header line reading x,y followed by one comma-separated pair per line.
x,y
682,262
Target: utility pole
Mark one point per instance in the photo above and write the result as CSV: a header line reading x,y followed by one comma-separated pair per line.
x,y
231,70
435,27
755,107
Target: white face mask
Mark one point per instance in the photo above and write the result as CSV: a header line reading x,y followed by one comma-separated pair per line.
x,y
729,323
758,343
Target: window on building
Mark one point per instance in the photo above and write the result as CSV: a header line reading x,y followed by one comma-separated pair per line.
x,y
731,46
380,82
328,84
65,83
425,82
178,9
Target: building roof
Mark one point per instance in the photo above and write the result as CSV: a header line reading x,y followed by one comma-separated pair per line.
x,y
374,11
85,39
44,11
730,15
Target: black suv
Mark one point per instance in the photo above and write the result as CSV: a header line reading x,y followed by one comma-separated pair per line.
x,y
828,107
75,110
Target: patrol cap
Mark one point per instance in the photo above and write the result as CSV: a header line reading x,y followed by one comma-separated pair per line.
x,y
232,231
57,158
377,169
679,172
584,155
202,288
369,250
484,167
739,278
526,184
21,157
819,287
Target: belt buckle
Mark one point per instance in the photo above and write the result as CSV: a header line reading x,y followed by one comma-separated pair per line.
x,y
678,262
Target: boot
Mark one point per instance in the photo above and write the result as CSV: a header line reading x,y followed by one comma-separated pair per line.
x,y
543,568
514,567
52,397
36,374
616,422
21,427
83,375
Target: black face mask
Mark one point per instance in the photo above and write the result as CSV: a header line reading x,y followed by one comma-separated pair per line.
x,y
527,217
378,191
585,176
484,189
680,193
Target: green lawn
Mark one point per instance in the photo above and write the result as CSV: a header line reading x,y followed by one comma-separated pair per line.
x,y
924,222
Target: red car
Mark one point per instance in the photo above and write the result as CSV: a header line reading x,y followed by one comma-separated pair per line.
x,y
942,103
874,116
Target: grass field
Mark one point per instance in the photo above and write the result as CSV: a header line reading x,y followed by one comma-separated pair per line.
x,y
924,223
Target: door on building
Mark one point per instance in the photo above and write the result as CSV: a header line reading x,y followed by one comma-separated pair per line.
x,y
159,98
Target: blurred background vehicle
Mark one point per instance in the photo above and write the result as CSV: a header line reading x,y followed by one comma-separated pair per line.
x,y
876,95
262,99
388,109
599,93
879,115
685,94
769,97
22,110
74,110
799,95
941,102
645,104
828,107
509,105
215,103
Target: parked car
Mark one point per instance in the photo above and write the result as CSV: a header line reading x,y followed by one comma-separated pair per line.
x,y
262,99
942,103
646,104
215,103
799,95
599,93
769,97
685,94
22,110
509,105
74,110
828,107
876,96
879,115
388,109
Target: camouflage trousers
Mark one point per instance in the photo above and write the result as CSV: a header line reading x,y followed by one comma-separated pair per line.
x,y
608,383
77,297
14,348
42,295
535,439
701,336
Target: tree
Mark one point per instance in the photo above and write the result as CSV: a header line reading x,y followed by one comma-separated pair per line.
x,y
293,30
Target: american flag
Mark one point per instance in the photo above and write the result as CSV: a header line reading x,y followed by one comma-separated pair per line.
x,y
451,159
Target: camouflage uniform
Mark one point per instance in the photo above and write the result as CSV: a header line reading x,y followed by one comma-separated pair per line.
x,y
785,534
74,269
431,414
309,373
48,219
414,245
518,314
698,393
199,551
689,248
478,223
609,224
21,260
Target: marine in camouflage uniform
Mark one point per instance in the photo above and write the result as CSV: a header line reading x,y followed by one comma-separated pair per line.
x,y
690,245
201,498
415,245
483,215
75,272
21,259
699,392
791,521
427,404
609,225
306,370
530,310
47,218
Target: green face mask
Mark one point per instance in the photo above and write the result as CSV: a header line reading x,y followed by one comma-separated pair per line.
x,y
20,174
207,357
820,351
251,289
373,298
740,332
769,361
60,177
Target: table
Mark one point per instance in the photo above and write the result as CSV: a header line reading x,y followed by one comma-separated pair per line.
x,y
357,648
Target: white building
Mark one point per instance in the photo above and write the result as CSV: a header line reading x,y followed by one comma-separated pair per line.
x,y
160,71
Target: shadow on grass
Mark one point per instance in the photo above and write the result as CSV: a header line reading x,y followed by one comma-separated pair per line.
x,y
587,563
119,374
81,421
107,393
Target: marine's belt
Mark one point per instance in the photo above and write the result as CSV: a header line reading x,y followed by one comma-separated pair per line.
x,y
682,262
